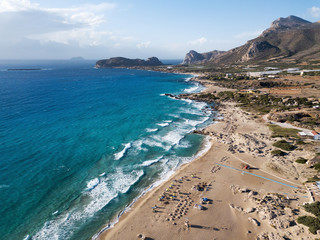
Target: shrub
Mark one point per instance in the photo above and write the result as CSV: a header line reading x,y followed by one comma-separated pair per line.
x,y
285,132
284,145
317,166
313,208
311,222
301,160
278,153
313,179
300,142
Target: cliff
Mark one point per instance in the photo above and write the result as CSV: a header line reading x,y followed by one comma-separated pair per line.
x,y
126,62
194,57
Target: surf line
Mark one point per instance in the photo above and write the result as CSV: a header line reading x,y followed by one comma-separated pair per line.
x,y
256,175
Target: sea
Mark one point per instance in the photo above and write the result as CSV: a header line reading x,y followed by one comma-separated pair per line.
x,y
78,145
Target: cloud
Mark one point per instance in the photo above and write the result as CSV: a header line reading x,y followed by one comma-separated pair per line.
x,y
198,41
315,12
80,25
144,44
248,35
16,5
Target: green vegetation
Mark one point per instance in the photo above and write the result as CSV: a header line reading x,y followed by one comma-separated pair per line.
x,y
301,160
265,103
317,167
278,131
278,153
300,142
284,145
313,179
312,222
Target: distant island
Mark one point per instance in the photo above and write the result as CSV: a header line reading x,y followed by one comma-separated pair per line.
x,y
77,59
24,69
126,62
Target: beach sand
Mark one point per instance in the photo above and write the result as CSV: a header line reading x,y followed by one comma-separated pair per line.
x,y
241,206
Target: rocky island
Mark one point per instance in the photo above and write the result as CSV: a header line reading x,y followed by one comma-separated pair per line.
x,y
126,62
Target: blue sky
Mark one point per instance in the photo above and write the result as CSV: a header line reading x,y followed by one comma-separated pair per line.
x,y
56,29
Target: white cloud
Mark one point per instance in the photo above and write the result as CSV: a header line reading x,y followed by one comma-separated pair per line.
x,y
248,35
198,41
315,12
16,5
22,19
144,44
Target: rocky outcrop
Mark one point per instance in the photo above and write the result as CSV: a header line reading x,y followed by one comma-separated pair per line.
x,y
194,57
126,62
286,23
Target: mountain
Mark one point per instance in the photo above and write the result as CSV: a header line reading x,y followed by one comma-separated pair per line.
x,y
126,62
194,57
287,39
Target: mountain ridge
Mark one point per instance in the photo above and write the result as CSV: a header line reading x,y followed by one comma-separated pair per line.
x,y
287,39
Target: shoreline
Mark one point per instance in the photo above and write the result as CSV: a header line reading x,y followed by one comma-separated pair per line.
x,y
152,223
205,147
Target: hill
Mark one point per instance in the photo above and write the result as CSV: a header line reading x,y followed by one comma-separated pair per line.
x,y
126,62
287,39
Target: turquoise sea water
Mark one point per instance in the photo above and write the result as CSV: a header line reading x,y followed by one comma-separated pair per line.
x,y
78,144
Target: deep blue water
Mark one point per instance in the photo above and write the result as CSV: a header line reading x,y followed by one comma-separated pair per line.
x,y
77,144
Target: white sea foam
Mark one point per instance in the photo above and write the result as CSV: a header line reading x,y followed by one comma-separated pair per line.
x,y
187,100
199,105
196,122
172,138
206,146
4,186
120,154
62,226
92,184
54,213
184,144
138,146
164,124
192,89
152,129
170,167
155,142
150,162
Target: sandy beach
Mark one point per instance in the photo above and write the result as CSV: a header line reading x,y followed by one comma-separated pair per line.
x,y
215,197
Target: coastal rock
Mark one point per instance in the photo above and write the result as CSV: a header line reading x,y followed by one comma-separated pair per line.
x,y
194,57
254,221
249,210
126,62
